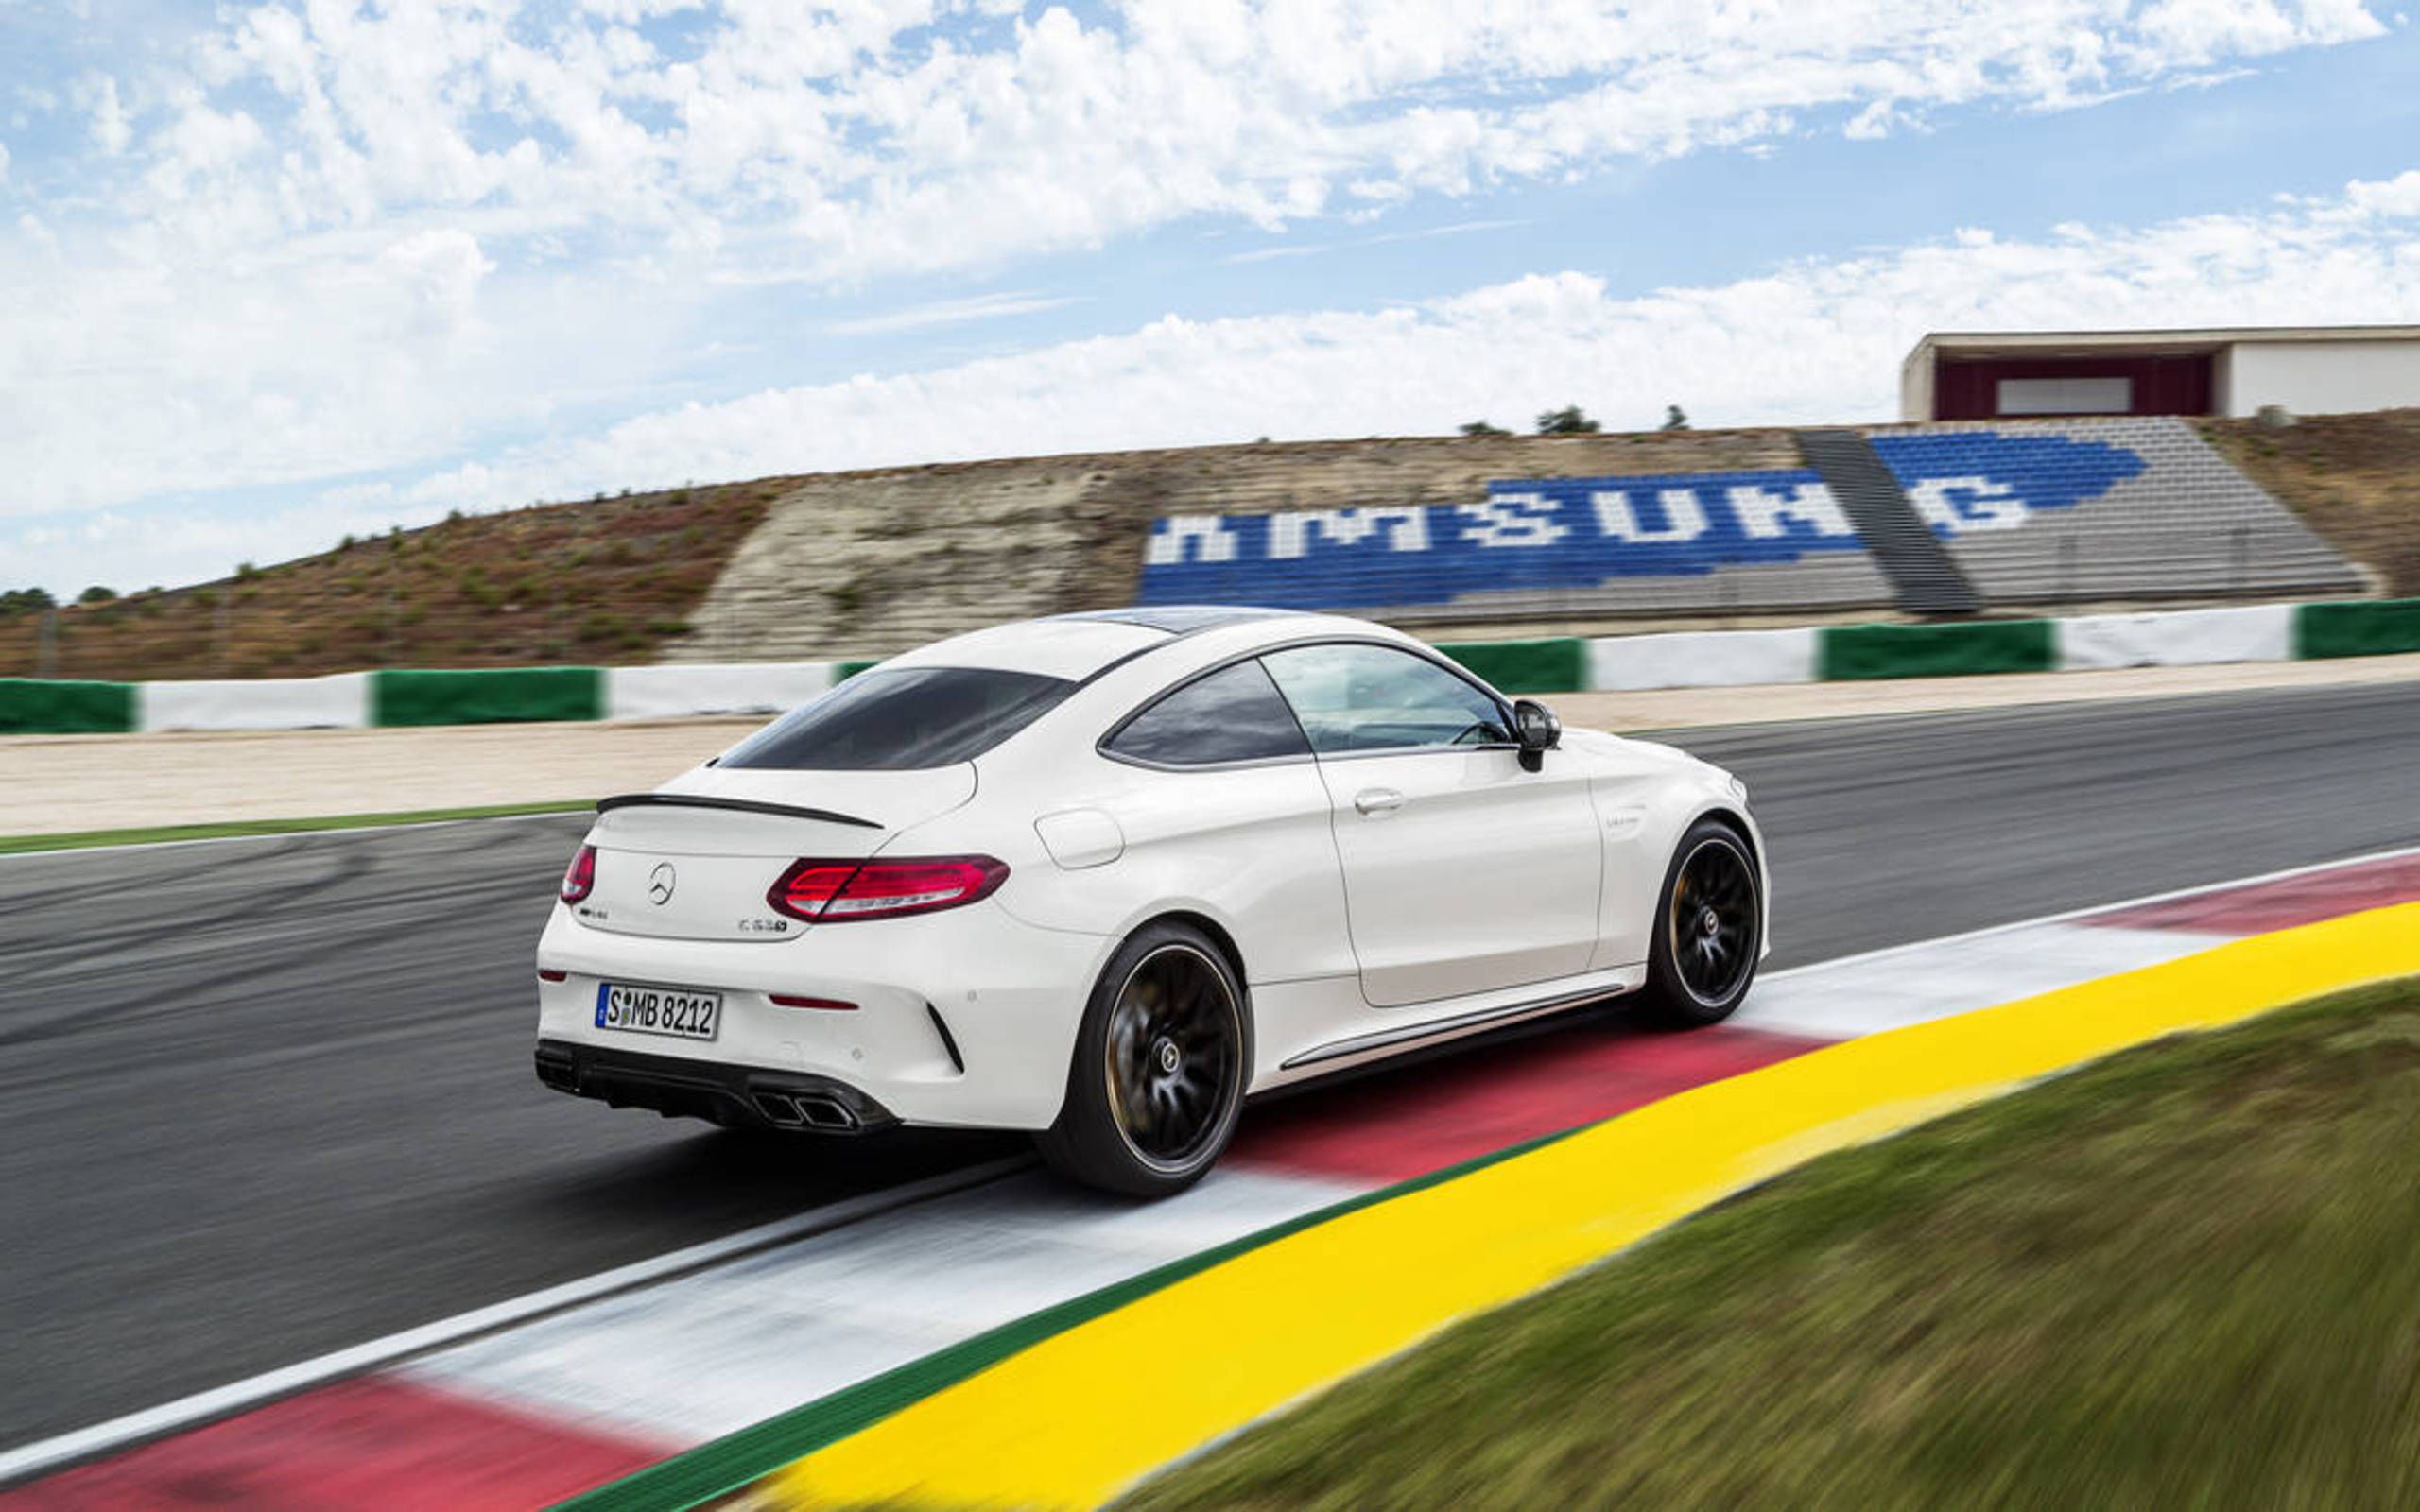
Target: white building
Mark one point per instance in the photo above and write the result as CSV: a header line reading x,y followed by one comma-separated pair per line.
x,y
2306,369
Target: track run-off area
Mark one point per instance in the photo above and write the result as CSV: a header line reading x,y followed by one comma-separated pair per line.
x,y
265,1100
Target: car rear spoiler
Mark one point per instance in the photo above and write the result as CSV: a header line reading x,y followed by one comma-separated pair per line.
x,y
740,805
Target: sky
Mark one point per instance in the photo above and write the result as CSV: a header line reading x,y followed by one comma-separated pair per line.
x,y
272,274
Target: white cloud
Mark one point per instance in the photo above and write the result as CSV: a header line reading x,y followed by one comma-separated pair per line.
x,y
1813,341
909,133
952,312
111,130
2398,196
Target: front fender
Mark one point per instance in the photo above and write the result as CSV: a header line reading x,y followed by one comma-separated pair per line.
x,y
1644,807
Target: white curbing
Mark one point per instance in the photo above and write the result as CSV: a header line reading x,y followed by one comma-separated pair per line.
x,y
712,688
1702,659
340,702
2193,637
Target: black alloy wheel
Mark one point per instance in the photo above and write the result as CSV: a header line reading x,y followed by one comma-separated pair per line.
x,y
1173,1054
1158,1075
1709,928
1713,919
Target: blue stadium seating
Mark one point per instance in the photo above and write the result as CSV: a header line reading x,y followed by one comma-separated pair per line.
x,y
2099,509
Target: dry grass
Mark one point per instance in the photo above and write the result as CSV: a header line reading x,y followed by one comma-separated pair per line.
x,y
2353,478
605,582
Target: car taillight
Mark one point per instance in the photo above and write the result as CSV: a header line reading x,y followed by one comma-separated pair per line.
x,y
833,892
580,878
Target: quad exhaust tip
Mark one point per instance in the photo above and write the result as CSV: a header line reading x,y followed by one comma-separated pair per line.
x,y
805,1110
826,1112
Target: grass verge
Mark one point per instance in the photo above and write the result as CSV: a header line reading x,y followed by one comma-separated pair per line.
x,y
2182,1276
83,839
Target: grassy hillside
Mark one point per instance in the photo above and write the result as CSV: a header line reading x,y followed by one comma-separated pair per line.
x,y
2353,478
606,582
2181,1277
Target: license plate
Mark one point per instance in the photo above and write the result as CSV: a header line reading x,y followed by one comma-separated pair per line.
x,y
667,1010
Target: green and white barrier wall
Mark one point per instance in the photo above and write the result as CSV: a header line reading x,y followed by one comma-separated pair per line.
x,y
2258,633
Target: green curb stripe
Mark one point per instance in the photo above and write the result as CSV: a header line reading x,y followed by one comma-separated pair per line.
x,y
2374,627
40,706
503,694
52,706
1558,665
732,1463
1854,651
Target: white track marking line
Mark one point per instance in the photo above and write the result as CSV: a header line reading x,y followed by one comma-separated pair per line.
x,y
225,1400
571,806
221,1401
689,1361
1845,999
2090,910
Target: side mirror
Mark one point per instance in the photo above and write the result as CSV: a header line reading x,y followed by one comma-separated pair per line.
x,y
1538,730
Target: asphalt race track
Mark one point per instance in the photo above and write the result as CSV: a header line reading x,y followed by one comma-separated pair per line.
x,y
263,1099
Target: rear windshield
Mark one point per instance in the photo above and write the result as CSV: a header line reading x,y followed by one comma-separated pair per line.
x,y
901,720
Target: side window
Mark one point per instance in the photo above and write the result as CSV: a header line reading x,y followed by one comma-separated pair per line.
x,y
1374,698
1234,715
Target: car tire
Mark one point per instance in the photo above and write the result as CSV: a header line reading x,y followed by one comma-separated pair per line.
x,y
1157,1078
1708,930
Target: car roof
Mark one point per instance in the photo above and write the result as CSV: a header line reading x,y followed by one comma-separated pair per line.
x,y
1076,647
1181,619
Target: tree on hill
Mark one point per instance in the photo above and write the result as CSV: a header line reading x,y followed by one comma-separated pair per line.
x,y
1569,421
97,595
1480,427
24,600
1675,418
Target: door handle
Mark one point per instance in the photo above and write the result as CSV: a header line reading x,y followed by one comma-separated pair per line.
x,y
1371,801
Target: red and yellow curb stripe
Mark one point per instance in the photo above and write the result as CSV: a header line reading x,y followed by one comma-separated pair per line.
x,y
1061,1425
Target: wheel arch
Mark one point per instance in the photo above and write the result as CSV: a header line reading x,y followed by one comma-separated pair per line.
x,y
1736,818
1219,936
1731,816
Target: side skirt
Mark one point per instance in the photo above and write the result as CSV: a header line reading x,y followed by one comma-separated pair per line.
x,y
1378,1044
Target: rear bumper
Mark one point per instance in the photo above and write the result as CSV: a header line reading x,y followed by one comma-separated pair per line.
x,y
964,1019
732,1097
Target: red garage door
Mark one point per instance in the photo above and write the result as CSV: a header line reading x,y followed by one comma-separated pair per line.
x,y
1998,388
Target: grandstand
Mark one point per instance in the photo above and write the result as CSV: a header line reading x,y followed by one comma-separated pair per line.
x,y
2104,510
1933,519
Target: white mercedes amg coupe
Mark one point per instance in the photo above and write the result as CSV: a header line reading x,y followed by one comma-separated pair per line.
x,y
1103,876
